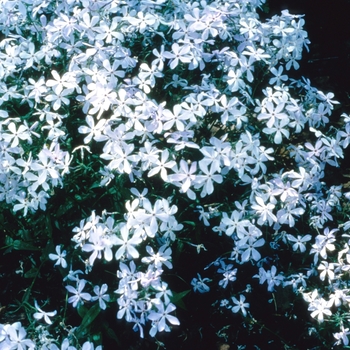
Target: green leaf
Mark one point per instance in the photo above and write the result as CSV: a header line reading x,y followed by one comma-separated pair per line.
x,y
111,334
20,245
63,209
191,223
89,317
31,273
82,310
176,299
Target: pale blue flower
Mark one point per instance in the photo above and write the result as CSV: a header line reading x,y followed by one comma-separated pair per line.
x,y
240,305
60,257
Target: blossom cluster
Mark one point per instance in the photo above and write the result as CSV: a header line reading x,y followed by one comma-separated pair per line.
x,y
166,98
141,295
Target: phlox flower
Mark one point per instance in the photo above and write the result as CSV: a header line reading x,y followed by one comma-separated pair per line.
x,y
151,277
249,235
127,245
24,203
258,54
149,216
196,20
184,174
279,130
234,80
235,223
278,78
141,196
286,215
199,284
15,134
273,279
205,181
161,317
319,308
42,314
57,99
168,229
175,118
60,257
270,277
93,131
299,242
265,211
229,274
159,61
240,305
101,295
248,249
73,275
150,72
107,31
338,298
161,258
58,83
128,275
143,83
284,190
163,292
294,280
271,113
142,21
327,98
96,246
16,338
138,326
178,54
161,165
342,336
327,270
126,304
203,215
121,157
78,296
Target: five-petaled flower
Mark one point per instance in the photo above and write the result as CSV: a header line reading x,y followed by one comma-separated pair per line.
x,y
240,305
60,257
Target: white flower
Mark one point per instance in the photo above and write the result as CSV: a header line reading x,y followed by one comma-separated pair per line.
x,y
265,211
249,249
42,314
161,258
327,270
78,296
101,295
93,131
162,316
206,180
60,257
127,245
342,336
319,308
16,134
16,338
299,242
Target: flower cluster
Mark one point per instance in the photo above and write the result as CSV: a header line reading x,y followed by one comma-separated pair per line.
x,y
183,116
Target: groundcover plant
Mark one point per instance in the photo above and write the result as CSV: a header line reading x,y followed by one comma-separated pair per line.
x,y
157,161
